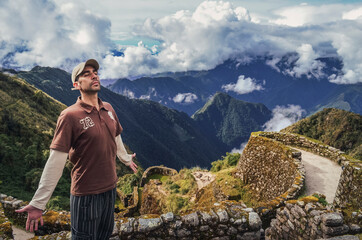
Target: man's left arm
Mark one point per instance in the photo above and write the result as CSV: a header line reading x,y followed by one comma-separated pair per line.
x,y
124,157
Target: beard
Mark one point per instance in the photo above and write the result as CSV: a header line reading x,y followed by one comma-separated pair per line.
x,y
90,90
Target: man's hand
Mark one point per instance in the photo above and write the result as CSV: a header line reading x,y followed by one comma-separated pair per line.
x,y
34,214
133,166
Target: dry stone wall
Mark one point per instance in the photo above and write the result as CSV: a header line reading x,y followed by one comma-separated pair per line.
x,y
310,145
270,168
308,219
349,190
156,170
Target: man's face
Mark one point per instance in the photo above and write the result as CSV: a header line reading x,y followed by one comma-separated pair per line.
x,y
88,80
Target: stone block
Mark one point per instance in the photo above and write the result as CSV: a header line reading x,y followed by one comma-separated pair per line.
x,y
167,217
290,224
183,233
191,219
334,231
332,219
205,217
223,216
250,236
146,225
127,227
254,221
354,229
232,231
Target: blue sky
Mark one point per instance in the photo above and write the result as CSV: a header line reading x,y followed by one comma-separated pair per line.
x,y
170,35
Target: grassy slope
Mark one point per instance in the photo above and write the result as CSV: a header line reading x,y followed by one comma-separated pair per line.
x,y
335,127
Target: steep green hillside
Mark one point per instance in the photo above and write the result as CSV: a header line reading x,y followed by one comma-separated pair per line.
x,y
27,120
157,134
230,120
335,127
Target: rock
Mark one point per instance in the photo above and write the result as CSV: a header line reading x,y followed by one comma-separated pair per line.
x,y
354,229
334,231
254,221
128,226
251,236
205,217
191,219
146,225
204,228
223,216
332,219
167,217
183,233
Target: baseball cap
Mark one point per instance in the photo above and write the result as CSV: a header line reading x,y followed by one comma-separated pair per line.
x,y
80,67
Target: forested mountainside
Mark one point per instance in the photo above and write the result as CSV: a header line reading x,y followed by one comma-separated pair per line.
x,y
229,120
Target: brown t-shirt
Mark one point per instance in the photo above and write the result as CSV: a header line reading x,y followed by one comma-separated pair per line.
x,y
89,137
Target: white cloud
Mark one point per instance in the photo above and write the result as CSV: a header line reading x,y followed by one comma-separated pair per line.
x,y
128,93
283,116
186,98
307,63
243,85
353,14
50,35
59,33
240,149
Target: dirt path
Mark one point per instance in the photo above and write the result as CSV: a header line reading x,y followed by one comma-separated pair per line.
x,y
203,178
322,175
20,234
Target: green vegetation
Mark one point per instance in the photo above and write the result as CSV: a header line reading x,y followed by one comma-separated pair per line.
x,y
128,181
321,199
338,128
230,160
27,120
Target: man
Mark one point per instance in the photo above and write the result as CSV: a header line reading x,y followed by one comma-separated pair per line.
x,y
89,131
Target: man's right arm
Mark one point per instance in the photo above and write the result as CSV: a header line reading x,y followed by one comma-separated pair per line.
x,y
51,174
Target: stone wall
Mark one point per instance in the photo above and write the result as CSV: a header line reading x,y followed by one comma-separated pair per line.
x,y
156,170
271,168
310,145
54,221
224,221
349,191
308,219
6,231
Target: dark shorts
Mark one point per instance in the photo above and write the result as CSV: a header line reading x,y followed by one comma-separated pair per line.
x,y
92,216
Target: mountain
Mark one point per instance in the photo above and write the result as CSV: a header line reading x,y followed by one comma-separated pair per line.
x,y
27,120
335,127
230,120
278,87
157,134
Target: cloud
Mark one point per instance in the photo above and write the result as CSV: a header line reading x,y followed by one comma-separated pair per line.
x,y
283,116
42,33
307,63
243,85
60,33
186,98
240,149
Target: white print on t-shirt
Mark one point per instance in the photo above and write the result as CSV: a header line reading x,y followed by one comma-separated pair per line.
x,y
111,115
87,122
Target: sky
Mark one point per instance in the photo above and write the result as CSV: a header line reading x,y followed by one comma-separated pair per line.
x,y
143,37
